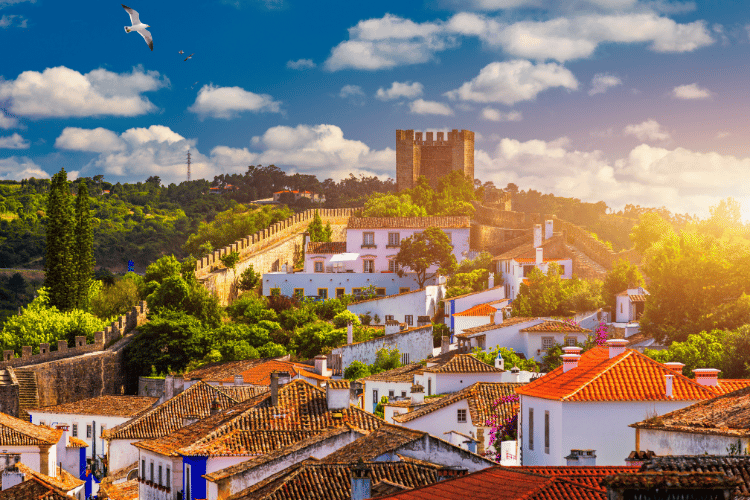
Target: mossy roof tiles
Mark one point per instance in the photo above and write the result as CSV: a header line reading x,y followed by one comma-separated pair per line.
x,y
112,406
33,489
17,432
444,222
464,363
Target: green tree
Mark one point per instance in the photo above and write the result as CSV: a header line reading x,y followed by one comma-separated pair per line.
x,y
249,279
392,205
736,361
432,247
379,410
82,252
622,276
356,370
510,358
700,350
57,263
342,319
116,299
230,261
317,231
550,295
651,228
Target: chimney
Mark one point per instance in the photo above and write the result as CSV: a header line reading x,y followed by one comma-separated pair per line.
x,y
491,280
320,365
707,376
216,406
63,442
669,380
537,235
168,387
423,321
499,362
515,374
274,389
548,228
570,358
349,334
11,475
239,380
445,344
337,394
417,394
361,481
584,458
539,256
616,347
392,326
675,366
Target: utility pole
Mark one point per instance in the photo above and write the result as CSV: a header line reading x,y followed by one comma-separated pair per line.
x,y
188,165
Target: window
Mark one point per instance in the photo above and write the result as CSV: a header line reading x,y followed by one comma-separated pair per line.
x,y
393,239
380,292
374,397
318,266
275,291
368,239
357,292
159,483
323,293
389,317
169,479
88,431
403,394
531,428
151,471
548,342
562,269
188,493
392,266
391,394
621,311
527,270
299,293
461,416
404,358
404,289
570,341
546,432
143,470
368,266
429,387
41,422
340,292
409,319
75,430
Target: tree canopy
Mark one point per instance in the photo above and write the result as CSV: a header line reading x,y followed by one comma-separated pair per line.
x,y
431,247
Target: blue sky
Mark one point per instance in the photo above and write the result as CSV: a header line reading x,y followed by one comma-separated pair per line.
x,y
626,101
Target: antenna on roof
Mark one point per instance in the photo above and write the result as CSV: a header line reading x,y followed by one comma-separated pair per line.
x,y
188,165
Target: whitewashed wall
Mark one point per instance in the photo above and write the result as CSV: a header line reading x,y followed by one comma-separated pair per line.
x,y
687,443
417,342
452,382
533,348
122,453
416,303
461,323
383,387
513,273
102,421
507,336
444,420
148,492
464,302
310,282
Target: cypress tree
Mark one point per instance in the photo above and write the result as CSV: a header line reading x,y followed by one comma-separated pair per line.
x,y
57,262
83,249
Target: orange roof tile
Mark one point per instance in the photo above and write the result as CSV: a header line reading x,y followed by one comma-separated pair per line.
x,y
327,247
261,374
115,406
64,480
582,474
14,431
533,260
727,385
74,442
463,363
505,324
33,489
478,310
556,326
448,221
630,376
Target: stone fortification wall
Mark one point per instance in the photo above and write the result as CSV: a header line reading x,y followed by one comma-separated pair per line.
x,y
504,218
267,250
123,324
593,248
492,238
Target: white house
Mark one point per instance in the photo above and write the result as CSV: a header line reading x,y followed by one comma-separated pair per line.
x,y
530,336
516,264
464,412
36,444
479,315
590,401
461,371
396,384
88,418
405,307
630,304
60,481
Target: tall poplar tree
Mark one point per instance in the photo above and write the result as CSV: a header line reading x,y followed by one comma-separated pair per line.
x,y
83,249
57,263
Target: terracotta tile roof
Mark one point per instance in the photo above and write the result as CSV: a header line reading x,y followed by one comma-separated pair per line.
x,y
637,298
556,326
727,385
387,296
672,480
528,251
387,438
473,293
502,483
301,408
630,376
725,415
14,431
33,489
194,402
242,392
401,374
733,466
339,384
74,442
589,476
464,363
530,260
127,490
240,442
261,374
478,310
516,320
216,372
326,247
118,474
63,481
445,222
480,397
111,406
325,481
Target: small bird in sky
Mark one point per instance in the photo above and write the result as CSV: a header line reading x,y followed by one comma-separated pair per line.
x,y
138,26
193,86
181,52
191,55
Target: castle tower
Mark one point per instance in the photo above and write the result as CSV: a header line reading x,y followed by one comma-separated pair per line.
x,y
432,157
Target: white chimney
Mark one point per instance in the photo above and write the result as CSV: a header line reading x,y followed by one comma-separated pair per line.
x,y
707,376
320,365
548,228
515,374
361,481
675,366
616,347
445,344
417,394
571,357
63,442
500,362
239,380
584,458
349,334
392,326
537,235
337,394
491,281
669,380
539,255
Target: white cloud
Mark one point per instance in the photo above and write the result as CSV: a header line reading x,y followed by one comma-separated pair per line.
x,y
19,168
228,102
649,130
494,115
422,107
603,81
683,180
98,140
393,41
7,122
398,90
510,82
63,92
5,3
351,91
300,64
12,20
14,141
691,91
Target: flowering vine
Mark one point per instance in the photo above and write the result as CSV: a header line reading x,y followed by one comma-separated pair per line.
x,y
502,429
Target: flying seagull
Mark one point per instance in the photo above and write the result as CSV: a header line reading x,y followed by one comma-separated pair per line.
x,y
191,55
181,52
138,26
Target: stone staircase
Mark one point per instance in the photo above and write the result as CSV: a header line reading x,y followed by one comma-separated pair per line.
x,y
5,378
584,266
28,396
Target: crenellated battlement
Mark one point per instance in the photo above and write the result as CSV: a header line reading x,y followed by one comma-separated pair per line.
x,y
433,155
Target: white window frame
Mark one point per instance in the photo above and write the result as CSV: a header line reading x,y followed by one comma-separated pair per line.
x,y
368,239
394,239
409,319
318,266
368,266
548,343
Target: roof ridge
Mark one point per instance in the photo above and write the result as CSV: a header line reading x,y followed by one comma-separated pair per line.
x,y
612,364
679,375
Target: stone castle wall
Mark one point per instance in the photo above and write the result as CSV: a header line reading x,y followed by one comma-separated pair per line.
x,y
593,248
432,156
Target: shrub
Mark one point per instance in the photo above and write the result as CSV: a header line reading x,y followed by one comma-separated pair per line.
x,y
345,317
